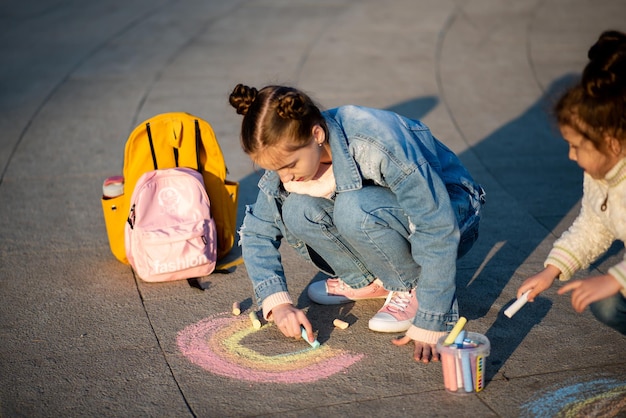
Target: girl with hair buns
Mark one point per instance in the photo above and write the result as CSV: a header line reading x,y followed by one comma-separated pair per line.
x,y
371,198
592,119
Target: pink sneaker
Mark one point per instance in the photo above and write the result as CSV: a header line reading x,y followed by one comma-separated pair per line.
x,y
336,291
397,313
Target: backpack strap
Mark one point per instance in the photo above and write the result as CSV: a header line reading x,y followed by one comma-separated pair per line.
x,y
198,146
149,132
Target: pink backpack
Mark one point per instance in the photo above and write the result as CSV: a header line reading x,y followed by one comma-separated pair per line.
x,y
170,234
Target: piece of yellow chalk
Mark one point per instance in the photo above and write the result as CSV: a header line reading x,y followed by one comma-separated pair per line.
x,y
455,331
236,308
255,320
340,324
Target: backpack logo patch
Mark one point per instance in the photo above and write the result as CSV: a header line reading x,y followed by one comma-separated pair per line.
x,y
169,198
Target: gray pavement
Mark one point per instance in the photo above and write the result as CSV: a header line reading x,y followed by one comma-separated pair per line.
x,y
80,336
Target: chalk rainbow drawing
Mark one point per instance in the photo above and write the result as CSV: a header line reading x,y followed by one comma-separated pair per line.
x,y
597,398
215,345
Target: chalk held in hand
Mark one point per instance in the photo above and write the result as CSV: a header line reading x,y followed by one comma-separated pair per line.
x,y
255,320
236,308
340,324
455,331
517,305
314,344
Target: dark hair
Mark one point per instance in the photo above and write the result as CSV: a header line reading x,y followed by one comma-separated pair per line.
x,y
596,106
273,114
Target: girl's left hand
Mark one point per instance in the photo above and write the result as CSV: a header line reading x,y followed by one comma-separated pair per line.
x,y
593,289
422,352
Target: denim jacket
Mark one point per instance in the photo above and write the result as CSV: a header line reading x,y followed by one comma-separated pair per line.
x,y
378,147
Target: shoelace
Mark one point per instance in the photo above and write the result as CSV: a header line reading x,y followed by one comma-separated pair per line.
x,y
398,301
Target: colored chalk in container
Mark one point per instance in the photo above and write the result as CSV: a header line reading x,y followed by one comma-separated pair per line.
x,y
340,324
467,371
459,339
314,344
463,365
255,320
455,331
459,371
448,363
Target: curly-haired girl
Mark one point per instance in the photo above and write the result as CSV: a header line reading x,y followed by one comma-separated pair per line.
x,y
592,119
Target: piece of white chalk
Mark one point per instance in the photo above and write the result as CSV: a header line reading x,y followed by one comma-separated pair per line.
x,y
517,305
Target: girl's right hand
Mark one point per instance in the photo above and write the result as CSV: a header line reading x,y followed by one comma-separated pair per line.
x,y
289,319
539,282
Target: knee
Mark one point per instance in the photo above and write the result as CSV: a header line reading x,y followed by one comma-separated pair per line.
x,y
292,212
348,214
301,211
369,209
467,240
607,311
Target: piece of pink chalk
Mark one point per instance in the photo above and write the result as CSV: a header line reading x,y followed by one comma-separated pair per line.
x,y
448,364
459,371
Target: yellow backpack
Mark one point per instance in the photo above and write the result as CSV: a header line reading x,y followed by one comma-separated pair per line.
x,y
168,140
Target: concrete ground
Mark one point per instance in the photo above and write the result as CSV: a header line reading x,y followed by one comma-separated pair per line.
x,y
80,336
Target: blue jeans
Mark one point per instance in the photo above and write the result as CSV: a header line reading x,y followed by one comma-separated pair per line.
x,y
611,311
364,234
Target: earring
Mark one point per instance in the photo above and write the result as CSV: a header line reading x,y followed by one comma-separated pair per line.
x,y
320,144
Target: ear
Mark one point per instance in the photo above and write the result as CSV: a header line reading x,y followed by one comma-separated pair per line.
x,y
319,134
615,145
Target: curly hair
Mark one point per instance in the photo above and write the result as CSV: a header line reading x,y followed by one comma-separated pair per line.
x,y
596,106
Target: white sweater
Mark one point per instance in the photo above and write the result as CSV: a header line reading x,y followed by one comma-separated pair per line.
x,y
601,221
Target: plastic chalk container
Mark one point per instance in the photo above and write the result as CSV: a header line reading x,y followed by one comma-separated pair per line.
x,y
463,365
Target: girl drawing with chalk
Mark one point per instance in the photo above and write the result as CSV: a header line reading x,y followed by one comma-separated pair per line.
x,y
370,198
592,119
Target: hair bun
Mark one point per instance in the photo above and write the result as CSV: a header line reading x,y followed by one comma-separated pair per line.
x,y
606,45
242,98
604,77
292,105
603,84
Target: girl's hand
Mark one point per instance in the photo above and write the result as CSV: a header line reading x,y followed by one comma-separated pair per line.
x,y
289,319
539,282
593,289
422,352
